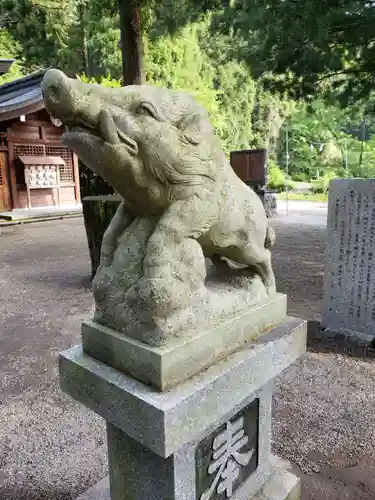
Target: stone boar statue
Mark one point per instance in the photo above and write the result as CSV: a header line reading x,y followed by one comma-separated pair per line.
x,y
158,150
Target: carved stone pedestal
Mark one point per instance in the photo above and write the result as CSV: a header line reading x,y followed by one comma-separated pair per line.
x,y
206,438
185,278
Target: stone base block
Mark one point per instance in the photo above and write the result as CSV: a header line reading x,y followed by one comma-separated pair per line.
x,y
163,367
165,421
98,492
282,485
207,438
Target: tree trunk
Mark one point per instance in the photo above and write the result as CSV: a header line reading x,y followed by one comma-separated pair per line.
x,y
83,20
131,42
97,213
363,132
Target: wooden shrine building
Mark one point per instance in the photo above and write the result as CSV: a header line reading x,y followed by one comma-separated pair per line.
x,y
36,169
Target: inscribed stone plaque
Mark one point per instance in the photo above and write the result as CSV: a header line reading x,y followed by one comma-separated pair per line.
x,y
349,288
228,456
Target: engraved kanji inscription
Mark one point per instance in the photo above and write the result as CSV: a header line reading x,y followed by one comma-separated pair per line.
x,y
349,273
227,457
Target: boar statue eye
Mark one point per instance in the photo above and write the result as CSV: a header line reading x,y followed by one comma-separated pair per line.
x,y
146,109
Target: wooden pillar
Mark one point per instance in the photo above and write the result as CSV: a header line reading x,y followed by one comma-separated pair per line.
x,y
4,167
98,212
76,178
57,169
12,175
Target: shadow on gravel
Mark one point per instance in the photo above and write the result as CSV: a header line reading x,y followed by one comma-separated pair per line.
x,y
321,340
40,494
61,281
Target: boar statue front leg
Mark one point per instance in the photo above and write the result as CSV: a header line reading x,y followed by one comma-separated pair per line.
x,y
120,221
174,265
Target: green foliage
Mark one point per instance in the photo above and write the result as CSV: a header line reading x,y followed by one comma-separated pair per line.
x,y
105,81
316,140
177,62
236,93
227,90
83,37
238,59
10,49
71,34
103,46
39,26
312,46
322,185
276,176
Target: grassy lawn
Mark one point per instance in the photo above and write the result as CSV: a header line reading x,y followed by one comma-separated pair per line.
x,y
291,195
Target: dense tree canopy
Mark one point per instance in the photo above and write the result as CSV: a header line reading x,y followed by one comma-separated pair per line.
x,y
315,45
237,57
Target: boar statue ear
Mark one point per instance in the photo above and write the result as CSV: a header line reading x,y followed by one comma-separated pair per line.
x,y
194,127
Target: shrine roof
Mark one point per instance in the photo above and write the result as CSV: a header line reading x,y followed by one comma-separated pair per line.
x,y
21,96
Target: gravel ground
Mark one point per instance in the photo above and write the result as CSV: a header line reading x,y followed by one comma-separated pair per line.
x,y
50,447
53,449
323,406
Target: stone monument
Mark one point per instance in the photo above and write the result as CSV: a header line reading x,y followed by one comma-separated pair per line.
x,y
349,288
188,330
